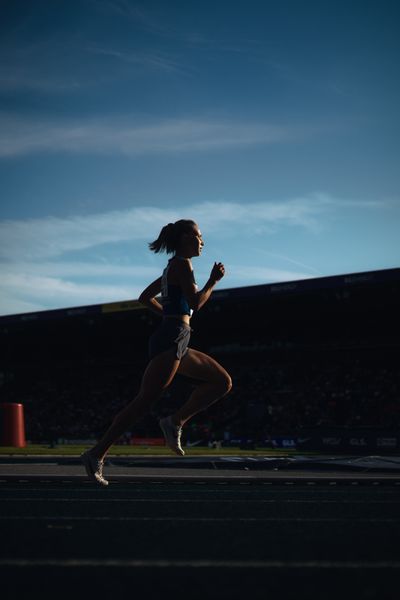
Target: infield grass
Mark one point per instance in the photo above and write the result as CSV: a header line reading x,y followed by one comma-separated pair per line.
x,y
117,450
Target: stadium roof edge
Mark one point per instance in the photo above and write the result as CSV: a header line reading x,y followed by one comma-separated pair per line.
x,y
300,285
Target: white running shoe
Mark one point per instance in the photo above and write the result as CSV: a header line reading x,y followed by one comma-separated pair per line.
x,y
94,467
172,434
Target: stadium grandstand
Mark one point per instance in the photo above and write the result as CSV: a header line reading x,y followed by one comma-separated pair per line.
x,y
315,365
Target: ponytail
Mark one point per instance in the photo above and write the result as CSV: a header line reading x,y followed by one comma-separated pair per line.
x,y
165,241
170,236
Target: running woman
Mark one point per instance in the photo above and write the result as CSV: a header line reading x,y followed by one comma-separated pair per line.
x,y
168,347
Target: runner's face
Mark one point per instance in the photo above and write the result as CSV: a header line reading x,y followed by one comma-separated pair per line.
x,y
198,241
192,243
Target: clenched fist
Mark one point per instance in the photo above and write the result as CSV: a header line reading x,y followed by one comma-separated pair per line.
x,y
217,272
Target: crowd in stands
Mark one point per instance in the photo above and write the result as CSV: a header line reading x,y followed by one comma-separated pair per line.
x,y
273,394
326,357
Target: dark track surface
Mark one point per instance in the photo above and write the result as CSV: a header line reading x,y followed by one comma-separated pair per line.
x,y
204,539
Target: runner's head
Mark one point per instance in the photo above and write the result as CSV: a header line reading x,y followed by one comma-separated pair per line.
x,y
182,238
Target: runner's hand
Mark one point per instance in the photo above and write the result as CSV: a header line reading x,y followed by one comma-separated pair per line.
x,y
217,272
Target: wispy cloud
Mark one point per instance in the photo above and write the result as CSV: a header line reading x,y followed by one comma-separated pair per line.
x,y
151,20
44,79
124,136
290,260
80,269
31,286
37,269
129,11
147,60
47,65
33,239
18,79
154,21
250,275
11,304
54,292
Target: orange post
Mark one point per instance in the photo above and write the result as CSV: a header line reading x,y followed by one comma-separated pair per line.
x,y
12,425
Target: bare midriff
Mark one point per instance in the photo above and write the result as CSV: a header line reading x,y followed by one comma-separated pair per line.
x,y
182,318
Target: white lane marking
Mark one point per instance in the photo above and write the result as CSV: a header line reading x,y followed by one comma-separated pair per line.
x,y
202,564
206,519
215,479
190,500
162,488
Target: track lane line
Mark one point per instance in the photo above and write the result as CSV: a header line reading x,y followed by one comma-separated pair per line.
x,y
202,564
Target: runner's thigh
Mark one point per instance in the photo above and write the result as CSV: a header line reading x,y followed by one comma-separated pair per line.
x,y
160,372
198,365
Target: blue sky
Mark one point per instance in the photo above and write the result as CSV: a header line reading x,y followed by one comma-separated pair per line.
x,y
275,125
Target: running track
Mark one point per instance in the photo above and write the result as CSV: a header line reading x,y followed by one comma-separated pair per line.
x,y
199,539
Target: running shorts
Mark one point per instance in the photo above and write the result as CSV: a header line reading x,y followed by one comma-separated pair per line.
x,y
170,334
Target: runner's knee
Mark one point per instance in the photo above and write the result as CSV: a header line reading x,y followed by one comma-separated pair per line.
x,y
224,383
228,383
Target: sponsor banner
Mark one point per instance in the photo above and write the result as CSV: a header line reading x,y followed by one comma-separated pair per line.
x,y
121,306
288,442
284,442
349,440
387,442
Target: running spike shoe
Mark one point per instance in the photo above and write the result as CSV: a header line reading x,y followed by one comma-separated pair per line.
x,y
172,434
94,467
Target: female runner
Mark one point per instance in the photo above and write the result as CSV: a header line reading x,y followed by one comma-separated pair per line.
x,y
168,346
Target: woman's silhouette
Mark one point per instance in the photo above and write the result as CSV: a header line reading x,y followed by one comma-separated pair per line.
x,y
168,346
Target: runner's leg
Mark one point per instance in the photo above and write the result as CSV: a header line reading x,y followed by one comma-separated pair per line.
x,y
216,383
157,377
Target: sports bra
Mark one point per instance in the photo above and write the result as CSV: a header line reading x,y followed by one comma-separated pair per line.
x,y
172,299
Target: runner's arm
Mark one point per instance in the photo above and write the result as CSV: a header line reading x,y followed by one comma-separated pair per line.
x,y
148,297
195,298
